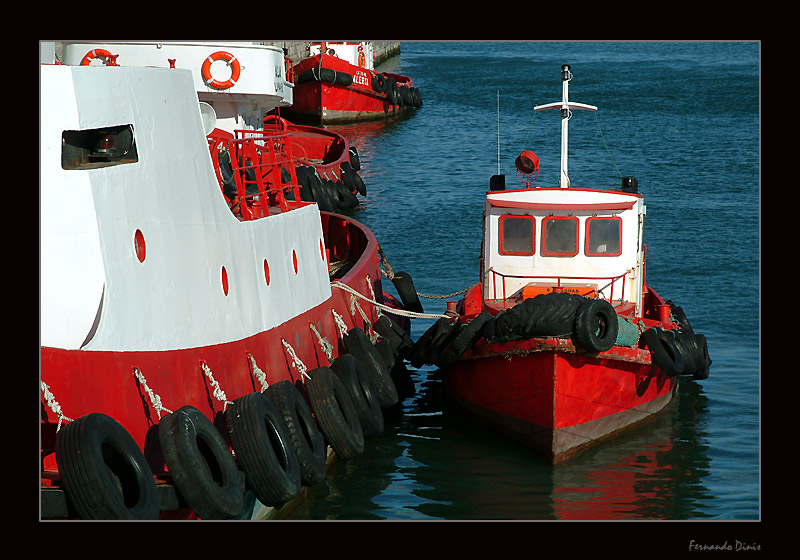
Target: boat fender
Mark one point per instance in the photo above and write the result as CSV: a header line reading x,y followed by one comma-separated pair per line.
x,y
355,162
408,294
702,372
201,464
468,335
263,449
306,438
346,173
343,196
335,413
694,349
94,453
596,325
398,372
399,340
361,188
320,193
361,388
358,343
417,353
378,83
666,354
434,350
233,63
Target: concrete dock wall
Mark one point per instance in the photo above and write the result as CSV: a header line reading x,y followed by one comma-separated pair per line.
x,y
296,50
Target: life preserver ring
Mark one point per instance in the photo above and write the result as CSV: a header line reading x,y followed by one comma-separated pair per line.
x,y
335,413
193,448
358,343
110,59
666,353
596,325
81,450
263,449
233,63
362,392
307,440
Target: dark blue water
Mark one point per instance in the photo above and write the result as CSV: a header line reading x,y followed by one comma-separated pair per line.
x,y
683,118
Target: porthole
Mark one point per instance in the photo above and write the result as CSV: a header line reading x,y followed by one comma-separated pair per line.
x,y
294,261
266,271
224,281
139,246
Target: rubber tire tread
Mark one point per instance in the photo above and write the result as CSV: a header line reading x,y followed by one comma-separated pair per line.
x,y
466,337
596,325
256,428
362,391
305,435
408,294
666,353
391,331
335,413
209,481
358,343
417,353
88,483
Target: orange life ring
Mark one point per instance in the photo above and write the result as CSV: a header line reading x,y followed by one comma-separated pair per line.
x,y
110,59
236,70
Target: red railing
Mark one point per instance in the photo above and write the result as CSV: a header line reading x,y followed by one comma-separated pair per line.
x,y
611,281
256,160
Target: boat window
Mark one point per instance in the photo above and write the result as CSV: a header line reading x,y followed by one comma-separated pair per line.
x,y
560,236
516,235
98,147
603,236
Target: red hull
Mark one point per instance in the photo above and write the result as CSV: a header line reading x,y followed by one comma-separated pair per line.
x,y
554,400
325,103
83,381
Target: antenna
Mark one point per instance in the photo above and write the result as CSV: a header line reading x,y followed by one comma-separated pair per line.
x,y
498,132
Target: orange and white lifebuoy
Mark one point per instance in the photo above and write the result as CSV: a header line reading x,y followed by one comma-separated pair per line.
x,y
234,65
108,58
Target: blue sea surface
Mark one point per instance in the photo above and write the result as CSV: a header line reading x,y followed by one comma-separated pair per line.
x,y
681,117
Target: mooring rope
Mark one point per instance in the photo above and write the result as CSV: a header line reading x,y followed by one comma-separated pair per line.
x,y
154,399
52,403
388,309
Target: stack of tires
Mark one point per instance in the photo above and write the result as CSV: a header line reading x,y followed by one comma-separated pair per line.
x,y
332,195
399,95
678,351
279,439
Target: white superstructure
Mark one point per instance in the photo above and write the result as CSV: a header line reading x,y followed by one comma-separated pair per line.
x,y
138,249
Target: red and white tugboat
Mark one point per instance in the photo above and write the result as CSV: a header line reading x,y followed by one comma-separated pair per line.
x,y
337,83
196,359
237,84
562,343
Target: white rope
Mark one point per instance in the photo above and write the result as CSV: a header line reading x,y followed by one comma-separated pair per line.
x,y
219,394
392,310
372,336
339,323
324,343
258,373
372,293
52,403
301,367
154,399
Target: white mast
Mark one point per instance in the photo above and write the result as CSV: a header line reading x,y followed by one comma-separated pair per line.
x,y
566,112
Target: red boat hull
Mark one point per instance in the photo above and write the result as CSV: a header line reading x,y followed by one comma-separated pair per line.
x,y
554,400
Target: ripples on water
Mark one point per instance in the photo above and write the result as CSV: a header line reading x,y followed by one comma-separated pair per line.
x,y
684,119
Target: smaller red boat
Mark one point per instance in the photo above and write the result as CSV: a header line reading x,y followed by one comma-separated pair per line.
x,y
562,344
337,84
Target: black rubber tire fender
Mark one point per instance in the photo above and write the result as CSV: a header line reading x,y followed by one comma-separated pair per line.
x,y
408,294
306,438
394,333
362,391
321,193
433,353
201,464
358,343
466,337
666,353
702,344
344,198
355,161
104,472
378,83
335,413
263,449
596,325
358,182
416,355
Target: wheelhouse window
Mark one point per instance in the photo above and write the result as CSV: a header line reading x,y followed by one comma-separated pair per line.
x,y
98,147
603,237
560,236
517,235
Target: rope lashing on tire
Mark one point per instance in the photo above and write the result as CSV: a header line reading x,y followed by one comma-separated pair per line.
x,y
298,363
339,323
353,305
258,373
52,403
372,293
324,343
154,399
219,394
388,309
